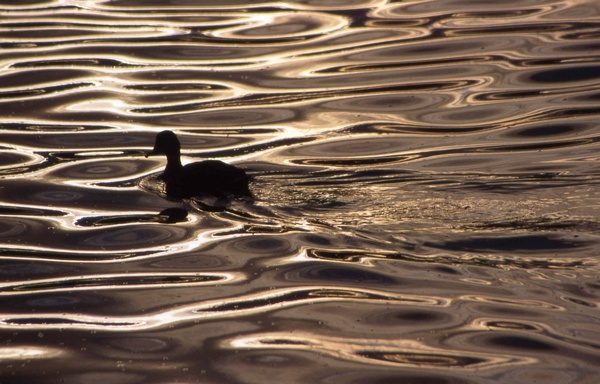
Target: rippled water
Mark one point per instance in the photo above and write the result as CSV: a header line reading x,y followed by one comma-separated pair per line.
x,y
426,178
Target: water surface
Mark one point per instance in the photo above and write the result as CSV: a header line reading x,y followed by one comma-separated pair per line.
x,y
426,180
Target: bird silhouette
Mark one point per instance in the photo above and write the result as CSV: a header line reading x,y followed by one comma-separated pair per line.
x,y
208,177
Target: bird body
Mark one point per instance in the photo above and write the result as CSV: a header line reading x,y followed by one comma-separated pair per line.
x,y
208,177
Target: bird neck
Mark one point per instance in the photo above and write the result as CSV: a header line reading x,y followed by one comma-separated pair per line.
x,y
173,164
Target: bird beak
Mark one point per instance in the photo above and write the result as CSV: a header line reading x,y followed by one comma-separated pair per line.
x,y
151,153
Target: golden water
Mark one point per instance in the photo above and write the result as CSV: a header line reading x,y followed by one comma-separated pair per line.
x,y
426,178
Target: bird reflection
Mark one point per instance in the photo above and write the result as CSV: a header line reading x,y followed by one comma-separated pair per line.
x,y
166,216
172,215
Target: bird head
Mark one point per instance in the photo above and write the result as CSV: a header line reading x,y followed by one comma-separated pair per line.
x,y
166,143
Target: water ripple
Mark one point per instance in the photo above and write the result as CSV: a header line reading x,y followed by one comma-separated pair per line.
x,y
97,282
425,179
247,304
402,353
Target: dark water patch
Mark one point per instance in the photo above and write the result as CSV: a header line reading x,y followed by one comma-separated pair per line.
x,y
548,28
143,345
546,145
540,243
315,239
408,318
32,93
578,301
28,31
582,290
443,269
272,360
12,230
11,160
520,342
546,130
506,311
542,224
55,302
340,275
30,211
507,95
574,113
570,74
589,97
13,270
376,377
178,87
127,238
189,262
179,75
472,114
33,165
380,128
56,196
259,245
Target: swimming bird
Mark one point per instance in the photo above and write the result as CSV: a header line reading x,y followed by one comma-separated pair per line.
x,y
208,177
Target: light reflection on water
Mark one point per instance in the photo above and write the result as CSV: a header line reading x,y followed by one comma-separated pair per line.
x,y
425,177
